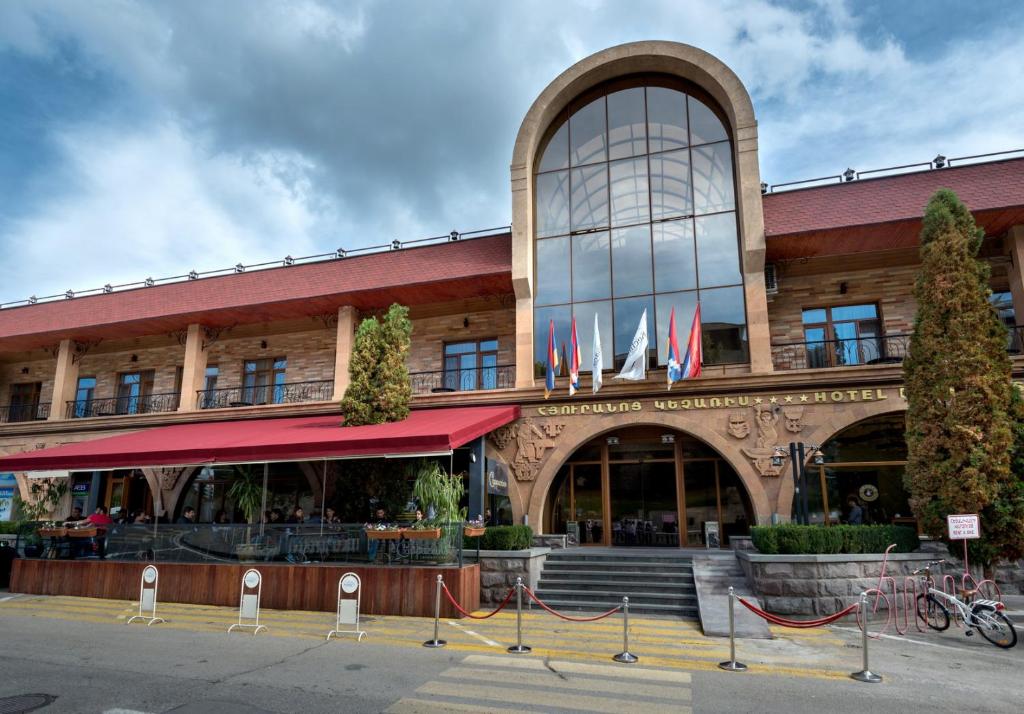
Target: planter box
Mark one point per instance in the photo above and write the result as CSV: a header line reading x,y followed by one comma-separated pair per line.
x,y
52,532
383,535
423,534
471,532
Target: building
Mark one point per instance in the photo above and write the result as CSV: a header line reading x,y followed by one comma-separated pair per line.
x,y
635,186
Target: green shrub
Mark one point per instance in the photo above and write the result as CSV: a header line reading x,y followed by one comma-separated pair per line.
x,y
502,538
790,539
8,527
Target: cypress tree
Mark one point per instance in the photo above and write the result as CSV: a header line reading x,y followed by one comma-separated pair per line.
x,y
960,422
379,389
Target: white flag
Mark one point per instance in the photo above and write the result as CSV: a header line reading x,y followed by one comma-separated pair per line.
x,y
598,361
636,361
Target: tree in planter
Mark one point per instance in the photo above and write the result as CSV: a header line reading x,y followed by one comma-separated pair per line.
x,y
959,393
379,390
437,490
44,497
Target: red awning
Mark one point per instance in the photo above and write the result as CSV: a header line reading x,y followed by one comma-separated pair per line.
x,y
426,431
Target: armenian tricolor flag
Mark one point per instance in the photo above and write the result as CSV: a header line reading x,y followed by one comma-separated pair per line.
x,y
549,380
694,349
574,361
675,368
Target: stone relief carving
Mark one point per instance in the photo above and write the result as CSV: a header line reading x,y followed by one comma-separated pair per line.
x,y
531,442
167,477
739,425
767,434
761,457
794,419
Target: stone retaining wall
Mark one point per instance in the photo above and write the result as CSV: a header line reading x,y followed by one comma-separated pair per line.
x,y
820,584
500,568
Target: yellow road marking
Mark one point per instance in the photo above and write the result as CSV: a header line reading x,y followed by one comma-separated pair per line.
x,y
605,670
573,701
587,684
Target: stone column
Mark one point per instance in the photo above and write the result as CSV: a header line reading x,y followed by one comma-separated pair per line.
x,y
522,272
347,319
751,218
65,379
1015,248
193,374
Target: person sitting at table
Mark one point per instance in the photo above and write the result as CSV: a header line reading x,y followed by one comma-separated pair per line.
x,y
100,517
298,515
331,516
142,518
187,517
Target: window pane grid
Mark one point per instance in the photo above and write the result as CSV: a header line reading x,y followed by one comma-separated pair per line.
x,y
648,178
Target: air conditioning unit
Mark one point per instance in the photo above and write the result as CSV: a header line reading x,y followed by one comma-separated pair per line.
x,y
771,280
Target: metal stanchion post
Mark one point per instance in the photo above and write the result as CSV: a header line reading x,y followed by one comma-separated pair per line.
x,y
865,675
519,647
437,618
732,665
625,656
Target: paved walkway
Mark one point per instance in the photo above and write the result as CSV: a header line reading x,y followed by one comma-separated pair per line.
x,y
658,642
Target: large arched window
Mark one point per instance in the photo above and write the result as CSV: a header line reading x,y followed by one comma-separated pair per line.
x,y
636,209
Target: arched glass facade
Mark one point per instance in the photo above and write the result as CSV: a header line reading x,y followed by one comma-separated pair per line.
x,y
636,209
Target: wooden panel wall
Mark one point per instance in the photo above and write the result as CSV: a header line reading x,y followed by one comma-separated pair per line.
x,y
387,590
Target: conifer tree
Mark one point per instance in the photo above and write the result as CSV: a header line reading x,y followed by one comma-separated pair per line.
x,y
379,389
960,416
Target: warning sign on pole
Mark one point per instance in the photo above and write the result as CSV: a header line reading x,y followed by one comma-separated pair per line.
x,y
963,527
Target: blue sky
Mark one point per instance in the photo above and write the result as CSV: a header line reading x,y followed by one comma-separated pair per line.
x,y
146,139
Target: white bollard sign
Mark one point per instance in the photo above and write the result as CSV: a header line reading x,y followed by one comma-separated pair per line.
x,y
147,597
249,602
963,526
350,593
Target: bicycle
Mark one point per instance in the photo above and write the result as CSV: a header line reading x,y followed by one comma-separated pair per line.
x,y
985,616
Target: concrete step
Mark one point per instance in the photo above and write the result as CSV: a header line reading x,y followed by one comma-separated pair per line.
x,y
615,596
688,612
582,554
632,565
617,576
624,586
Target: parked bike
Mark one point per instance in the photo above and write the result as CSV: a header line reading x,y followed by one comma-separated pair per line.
x,y
985,616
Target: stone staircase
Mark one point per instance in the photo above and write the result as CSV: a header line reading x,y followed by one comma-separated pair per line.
x,y
713,574
656,582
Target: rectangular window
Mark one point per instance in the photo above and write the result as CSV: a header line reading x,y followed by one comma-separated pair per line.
x,y
24,401
133,390
1002,301
844,335
470,365
263,381
83,397
212,372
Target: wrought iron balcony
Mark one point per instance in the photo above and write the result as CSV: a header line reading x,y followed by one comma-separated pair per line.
x,y
824,354
24,412
142,404
286,393
464,380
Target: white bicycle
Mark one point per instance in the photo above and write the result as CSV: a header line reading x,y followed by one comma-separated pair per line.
x,y
985,616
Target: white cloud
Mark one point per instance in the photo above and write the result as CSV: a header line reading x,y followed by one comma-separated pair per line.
x,y
155,203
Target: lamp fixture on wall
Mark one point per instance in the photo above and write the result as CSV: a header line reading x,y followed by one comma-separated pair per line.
x,y
465,322
668,438
263,344
135,358
613,441
842,288
24,370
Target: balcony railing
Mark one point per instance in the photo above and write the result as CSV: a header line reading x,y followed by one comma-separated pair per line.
x,y
287,393
143,404
24,412
882,349
464,380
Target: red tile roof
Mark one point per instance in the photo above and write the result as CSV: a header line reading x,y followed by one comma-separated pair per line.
x,y
885,213
414,276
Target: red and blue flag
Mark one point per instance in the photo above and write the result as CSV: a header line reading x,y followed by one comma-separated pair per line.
x,y
675,367
694,349
574,361
549,380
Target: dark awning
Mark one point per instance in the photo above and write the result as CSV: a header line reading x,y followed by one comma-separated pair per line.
x,y
426,431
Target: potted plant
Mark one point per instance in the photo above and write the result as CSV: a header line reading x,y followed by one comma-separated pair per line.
x,y
382,531
439,493
247,493
44,497
422,530
474,528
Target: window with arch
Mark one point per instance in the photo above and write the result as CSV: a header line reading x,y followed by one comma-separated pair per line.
x,y
635,208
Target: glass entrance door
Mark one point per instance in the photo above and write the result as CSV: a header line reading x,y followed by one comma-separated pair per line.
x,y
588,503
643,498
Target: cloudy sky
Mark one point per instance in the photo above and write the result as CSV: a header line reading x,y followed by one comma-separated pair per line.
x,y
149,138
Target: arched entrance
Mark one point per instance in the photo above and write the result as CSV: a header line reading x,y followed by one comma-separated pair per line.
x,y
648,486
862,470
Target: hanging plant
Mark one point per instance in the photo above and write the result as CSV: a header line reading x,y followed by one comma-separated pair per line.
x,y
437,490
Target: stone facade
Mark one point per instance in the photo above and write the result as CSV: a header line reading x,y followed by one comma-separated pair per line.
x,y
820,585
500,568
38,370
889,287
310,355
429,335
106,366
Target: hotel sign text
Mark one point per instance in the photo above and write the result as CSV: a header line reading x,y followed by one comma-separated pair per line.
x,y
833,396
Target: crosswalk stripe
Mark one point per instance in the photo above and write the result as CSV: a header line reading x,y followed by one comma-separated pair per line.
x,y
578,702
586,684
653,675
411,705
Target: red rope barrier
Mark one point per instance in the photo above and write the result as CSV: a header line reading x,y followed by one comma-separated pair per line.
x,y
566,617
799,624
458,607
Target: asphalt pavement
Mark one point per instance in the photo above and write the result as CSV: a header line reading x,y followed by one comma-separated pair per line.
x,y
81,654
